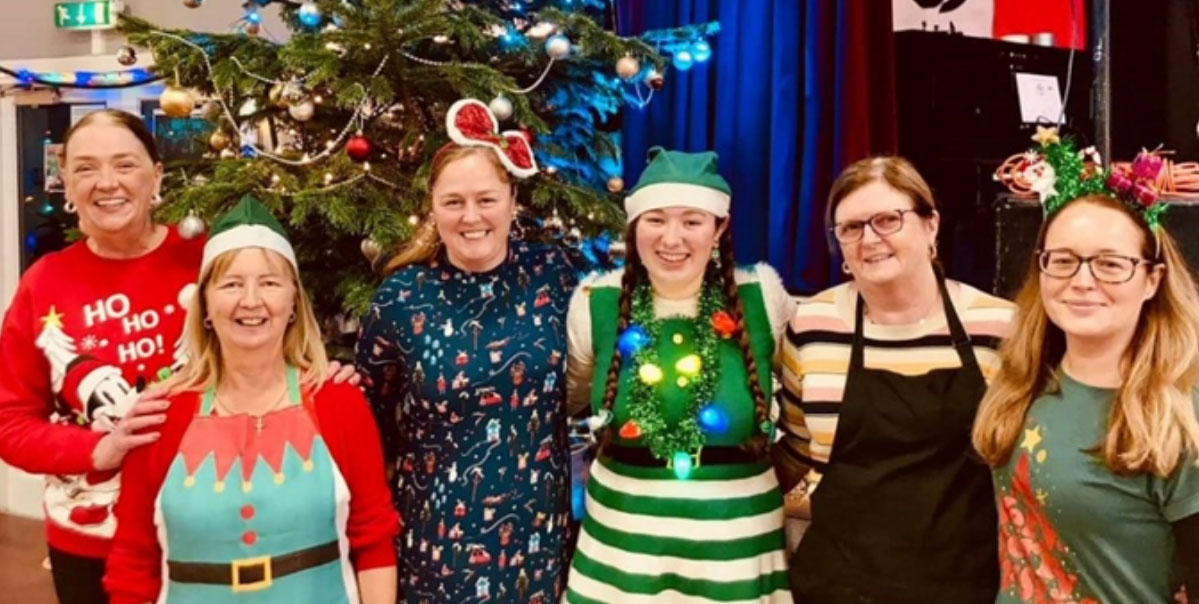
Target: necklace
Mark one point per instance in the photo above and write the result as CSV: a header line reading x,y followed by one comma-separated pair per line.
x,y
698,373
259,419
921,321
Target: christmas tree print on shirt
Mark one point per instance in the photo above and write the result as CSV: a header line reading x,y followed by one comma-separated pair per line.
x,y
1035,565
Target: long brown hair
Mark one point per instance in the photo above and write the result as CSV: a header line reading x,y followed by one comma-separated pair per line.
x,y
422,246
1152,422
635,274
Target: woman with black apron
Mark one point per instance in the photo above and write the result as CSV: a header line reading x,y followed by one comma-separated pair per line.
x,y
884,376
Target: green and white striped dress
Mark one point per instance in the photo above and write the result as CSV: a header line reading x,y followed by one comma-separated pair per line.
x,y
648,536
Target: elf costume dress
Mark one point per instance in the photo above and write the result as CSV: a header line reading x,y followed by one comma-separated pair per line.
x,y
283,507
676,509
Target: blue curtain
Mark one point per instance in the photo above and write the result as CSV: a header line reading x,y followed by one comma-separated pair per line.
x,y
779,101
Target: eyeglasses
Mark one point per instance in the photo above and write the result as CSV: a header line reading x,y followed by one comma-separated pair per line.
x,y
1106,268
883,223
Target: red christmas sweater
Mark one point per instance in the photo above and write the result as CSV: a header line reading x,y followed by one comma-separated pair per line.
x,y
83,335
348,428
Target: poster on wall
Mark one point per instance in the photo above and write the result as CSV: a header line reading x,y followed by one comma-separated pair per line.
x,y
970,17
52,169
1062,24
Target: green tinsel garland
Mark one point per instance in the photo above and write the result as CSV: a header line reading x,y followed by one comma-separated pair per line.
x,y
645,407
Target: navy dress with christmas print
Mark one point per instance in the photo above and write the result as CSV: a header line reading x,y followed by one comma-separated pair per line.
x,y
465,372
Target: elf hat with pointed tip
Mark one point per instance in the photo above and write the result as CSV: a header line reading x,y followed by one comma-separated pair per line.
x,y
676,178
247,224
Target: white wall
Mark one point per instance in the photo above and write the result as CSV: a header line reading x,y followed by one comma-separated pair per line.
x,y
27,26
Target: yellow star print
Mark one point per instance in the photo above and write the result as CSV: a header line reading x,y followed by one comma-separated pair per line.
x,y
1032,438
53,319
1046,136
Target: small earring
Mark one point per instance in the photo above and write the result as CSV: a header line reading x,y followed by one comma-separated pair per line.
x,y
69,207
932,251
845,267
207,323
156,200
292,318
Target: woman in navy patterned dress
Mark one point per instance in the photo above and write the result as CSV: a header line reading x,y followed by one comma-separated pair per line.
x,y
464,351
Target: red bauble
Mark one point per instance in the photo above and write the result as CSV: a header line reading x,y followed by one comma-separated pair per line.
x,y
657,81
359,148
630,430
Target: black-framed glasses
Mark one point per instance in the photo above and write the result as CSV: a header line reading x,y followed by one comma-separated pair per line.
x,y
883,223
1107,268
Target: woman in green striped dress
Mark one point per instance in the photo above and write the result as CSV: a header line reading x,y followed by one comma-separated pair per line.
x,y
673,356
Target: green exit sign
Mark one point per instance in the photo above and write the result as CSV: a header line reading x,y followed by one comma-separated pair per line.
x,y
97,14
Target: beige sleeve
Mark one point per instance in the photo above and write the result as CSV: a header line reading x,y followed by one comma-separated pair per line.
x,y
580,358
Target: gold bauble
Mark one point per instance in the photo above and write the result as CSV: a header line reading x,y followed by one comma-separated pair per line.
x,y
219,140
627,67
177,101
371,249
615,184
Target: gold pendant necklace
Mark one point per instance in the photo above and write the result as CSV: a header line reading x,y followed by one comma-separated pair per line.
x,y
260,419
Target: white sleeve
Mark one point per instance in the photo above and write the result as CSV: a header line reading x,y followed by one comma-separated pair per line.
x,y
580,358
780,306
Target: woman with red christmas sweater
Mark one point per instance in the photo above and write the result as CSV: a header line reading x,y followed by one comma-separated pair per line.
x,y
89,327
265,485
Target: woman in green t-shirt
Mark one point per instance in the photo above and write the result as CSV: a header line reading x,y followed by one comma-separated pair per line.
x,y
1090,426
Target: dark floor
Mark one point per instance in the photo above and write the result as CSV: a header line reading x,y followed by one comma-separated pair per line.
x,y
22,549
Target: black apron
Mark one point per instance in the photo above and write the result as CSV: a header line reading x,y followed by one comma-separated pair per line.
x,y
905,511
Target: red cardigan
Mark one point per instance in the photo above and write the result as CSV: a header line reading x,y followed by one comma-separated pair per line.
x,y
345,422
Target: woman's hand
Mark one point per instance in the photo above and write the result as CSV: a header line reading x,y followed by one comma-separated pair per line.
x,y
128,433
344,373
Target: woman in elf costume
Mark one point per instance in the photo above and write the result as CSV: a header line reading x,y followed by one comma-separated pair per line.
x,y
265,486
674,356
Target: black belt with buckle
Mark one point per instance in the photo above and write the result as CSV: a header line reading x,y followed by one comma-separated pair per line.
x,y
641,456
248,574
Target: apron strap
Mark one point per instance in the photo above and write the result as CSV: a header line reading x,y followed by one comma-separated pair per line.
x,y
957,332
294,396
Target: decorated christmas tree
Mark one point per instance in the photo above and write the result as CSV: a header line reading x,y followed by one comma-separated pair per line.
x,y
334,128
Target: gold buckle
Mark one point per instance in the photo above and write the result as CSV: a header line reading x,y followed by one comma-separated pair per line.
x,y
246,563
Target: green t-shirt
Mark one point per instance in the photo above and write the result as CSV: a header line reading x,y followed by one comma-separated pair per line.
x,y
1070,529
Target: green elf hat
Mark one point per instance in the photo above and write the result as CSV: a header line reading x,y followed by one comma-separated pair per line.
x,y
248,224
675,178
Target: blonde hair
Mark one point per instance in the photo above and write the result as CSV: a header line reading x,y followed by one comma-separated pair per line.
x,y
302,344
422,246
1152,422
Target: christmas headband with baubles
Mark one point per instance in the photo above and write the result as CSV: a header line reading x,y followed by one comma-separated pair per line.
x,y
247,224
470,123
679,179
1058,173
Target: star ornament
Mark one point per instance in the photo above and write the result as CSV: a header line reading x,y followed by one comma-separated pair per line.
x,y
1032,438
1046,136
53,319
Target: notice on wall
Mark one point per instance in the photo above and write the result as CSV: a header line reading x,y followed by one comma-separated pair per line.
x,y
970,17
1040,98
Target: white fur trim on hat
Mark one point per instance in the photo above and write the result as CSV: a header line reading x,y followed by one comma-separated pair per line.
x,y
676,194
247,235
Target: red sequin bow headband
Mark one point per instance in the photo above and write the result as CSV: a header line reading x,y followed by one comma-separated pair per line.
x,y
471,124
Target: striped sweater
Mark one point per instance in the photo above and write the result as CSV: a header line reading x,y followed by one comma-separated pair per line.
x,y
816,354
